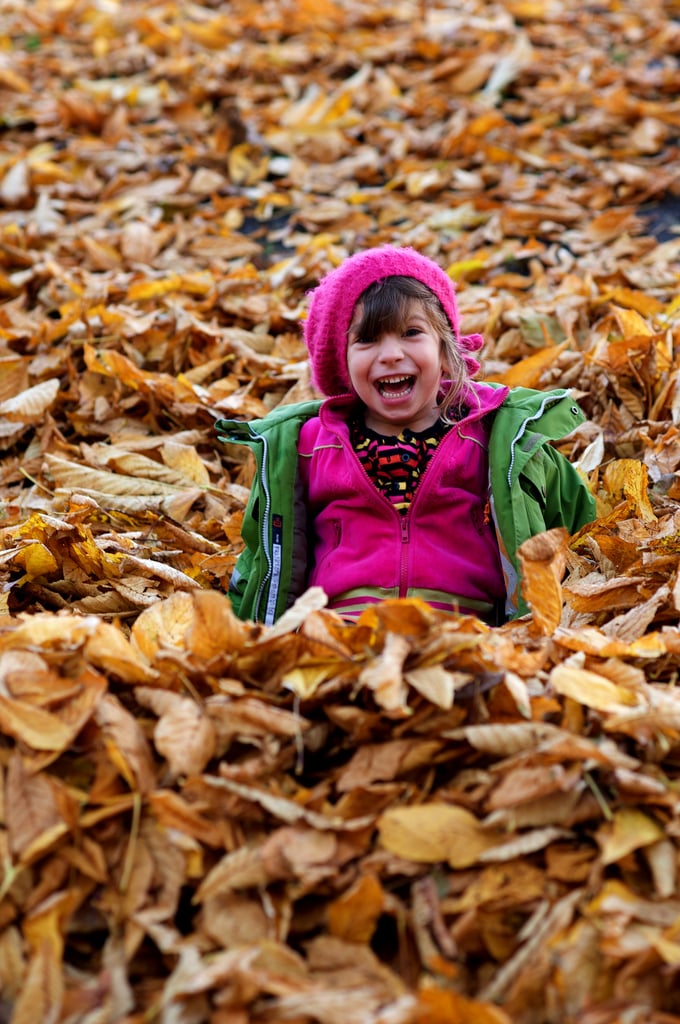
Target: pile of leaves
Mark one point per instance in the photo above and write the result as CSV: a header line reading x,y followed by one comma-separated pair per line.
x,y
415,819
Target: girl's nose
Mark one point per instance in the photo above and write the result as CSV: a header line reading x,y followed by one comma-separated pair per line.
x,y
390,347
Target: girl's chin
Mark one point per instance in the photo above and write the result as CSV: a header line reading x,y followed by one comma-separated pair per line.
x,y
394,420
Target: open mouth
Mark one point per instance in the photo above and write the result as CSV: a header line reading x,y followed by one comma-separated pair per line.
x,y
395,387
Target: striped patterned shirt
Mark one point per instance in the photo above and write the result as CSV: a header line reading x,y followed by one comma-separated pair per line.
x,y
395,464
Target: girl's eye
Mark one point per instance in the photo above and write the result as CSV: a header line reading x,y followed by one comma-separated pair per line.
x,y
412,332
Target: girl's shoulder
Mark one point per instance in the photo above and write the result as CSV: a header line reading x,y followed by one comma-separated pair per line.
x,y
284,419
309,432
555,408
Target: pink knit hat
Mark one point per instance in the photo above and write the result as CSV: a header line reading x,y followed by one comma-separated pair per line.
x,y
332,304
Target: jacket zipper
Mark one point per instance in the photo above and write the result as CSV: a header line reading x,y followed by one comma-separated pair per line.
x,y
403,562
405,521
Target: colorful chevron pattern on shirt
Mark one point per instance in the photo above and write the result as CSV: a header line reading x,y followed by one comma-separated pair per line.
x,y
396,464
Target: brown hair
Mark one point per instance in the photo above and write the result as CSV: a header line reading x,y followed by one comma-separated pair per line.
x,y
386,306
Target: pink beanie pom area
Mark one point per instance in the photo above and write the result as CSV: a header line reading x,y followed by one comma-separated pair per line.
x,y
332,302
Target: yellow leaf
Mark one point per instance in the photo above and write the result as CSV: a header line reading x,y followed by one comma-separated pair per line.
x,y
631,324
111,651
591,689
247,164
627,480
42,991
185,460
126,744
430,833
143,290
485,123
213,35
629,830
11,80
668,950
214,628
672,307
102,255
35,527
44,167
463,269
636,302
37,560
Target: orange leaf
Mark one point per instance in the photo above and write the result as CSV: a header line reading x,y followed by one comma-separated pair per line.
x,y
354,915
33,726
542,559
527,372
443,1006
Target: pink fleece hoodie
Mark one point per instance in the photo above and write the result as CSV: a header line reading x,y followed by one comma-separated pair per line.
x,y
363,550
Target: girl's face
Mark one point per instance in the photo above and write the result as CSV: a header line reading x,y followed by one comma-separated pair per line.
x,y
397,374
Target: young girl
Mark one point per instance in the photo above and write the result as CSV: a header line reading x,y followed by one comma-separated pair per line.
x,y
410,479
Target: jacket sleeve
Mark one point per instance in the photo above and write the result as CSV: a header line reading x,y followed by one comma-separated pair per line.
x,y
271,570
548,492
562,496
240,595
253,575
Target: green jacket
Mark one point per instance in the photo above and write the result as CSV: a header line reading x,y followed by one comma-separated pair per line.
x,y
533,488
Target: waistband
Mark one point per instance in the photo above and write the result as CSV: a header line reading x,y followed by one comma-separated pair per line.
x,y
351,603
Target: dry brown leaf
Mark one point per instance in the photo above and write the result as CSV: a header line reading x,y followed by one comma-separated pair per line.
x,y
32,404
126,744
183,735
37,809
33,726
164,624
384,675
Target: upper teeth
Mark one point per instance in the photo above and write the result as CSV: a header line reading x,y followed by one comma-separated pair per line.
x,y
394,380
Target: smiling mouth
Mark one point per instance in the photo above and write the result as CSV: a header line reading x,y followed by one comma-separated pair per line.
x,y
395,387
